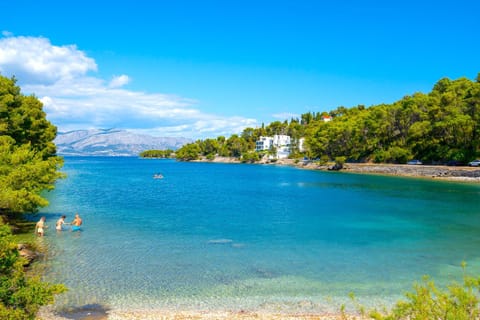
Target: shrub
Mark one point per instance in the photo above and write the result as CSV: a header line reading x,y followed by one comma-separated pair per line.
x,y
399,155
324,160
20,296
250,157
427,301
340,161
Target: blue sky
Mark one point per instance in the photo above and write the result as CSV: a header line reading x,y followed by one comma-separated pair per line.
x,y
206,68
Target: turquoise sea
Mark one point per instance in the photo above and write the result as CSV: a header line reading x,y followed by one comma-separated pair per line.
x,y
252,237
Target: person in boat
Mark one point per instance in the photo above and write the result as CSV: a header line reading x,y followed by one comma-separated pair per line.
x,y
60,223
40,227
76,223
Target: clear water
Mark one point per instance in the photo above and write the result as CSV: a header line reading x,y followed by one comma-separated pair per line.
x,y
253,237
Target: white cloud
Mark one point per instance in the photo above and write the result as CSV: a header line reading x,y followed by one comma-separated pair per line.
x,y
119,81
209,127
36,60
74,99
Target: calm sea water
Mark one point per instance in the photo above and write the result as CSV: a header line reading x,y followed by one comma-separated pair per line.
x,y
253,237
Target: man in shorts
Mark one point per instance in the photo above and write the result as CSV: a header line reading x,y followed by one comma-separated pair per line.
x,y
76,223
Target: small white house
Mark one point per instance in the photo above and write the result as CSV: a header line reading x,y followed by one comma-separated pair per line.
x,y
326,118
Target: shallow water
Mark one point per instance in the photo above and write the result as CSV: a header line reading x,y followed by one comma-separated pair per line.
x,y
252,237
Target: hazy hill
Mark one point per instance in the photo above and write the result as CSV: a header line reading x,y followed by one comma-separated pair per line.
x,y
111,142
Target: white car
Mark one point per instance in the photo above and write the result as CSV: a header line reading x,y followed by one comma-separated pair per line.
x,y
414,162
474,163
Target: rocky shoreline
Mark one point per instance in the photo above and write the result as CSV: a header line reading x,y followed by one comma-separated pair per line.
x,y
465,174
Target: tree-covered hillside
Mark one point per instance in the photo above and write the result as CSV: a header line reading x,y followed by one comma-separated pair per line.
x,y
437,127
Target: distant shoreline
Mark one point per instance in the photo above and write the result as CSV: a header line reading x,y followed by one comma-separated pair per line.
x,y
454,173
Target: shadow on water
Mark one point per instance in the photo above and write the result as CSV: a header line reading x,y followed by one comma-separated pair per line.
x,y
85,312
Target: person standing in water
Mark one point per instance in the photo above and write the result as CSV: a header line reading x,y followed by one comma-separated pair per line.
x,y
76,223
60,223
40,227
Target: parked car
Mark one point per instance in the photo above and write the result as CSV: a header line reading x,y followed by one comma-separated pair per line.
x,y
414,162
474,163
455,163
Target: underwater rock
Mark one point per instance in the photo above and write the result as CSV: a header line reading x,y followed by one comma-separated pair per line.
x,y
27,253
220,241
86,312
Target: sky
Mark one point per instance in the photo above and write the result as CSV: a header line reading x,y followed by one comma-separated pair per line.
x,y
205,68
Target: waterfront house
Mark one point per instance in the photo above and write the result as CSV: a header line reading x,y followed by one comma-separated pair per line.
x,y
280,142
264,143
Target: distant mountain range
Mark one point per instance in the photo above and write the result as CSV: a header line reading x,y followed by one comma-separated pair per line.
x,y
112,142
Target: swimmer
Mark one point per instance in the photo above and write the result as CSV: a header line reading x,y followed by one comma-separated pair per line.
x,y
76,223
40,226
60,223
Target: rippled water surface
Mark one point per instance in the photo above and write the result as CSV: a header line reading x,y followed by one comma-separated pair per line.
x,y
229,237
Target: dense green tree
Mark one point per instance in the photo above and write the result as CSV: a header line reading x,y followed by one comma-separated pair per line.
x,y
306,118
250,135
188,152
236,146
250,156
23,175
28,164
276,127
22,118
210,147
222,148
168,153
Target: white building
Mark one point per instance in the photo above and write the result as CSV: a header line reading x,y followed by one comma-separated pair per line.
x,y
301,145
326,118
280,142
264,143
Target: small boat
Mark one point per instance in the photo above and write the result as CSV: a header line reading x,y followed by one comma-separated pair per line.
x,y
157,176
